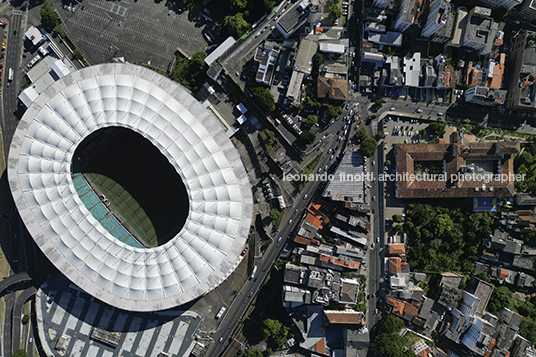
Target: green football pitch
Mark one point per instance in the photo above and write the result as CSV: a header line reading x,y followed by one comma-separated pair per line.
x,y
127,207
141,184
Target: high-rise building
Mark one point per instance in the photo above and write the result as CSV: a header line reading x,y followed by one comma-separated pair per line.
x,y
527,10
437,17
406,15
382,4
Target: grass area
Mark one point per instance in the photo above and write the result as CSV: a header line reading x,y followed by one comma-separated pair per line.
x,y
308,170
127,206
277,215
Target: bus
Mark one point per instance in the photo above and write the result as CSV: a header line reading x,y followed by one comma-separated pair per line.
x,y
253,272
220,313
10,76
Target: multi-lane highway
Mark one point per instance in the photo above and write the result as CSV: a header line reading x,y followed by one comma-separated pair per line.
x,y
10,88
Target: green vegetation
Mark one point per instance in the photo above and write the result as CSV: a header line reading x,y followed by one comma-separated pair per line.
x,y
393,345
525,163
531,40
20,353
379,103
391,324
312,103
276,216
334,12
444,239
307,137
249,352
190,72
267,137
264,97
311,166
235,24
25,318
333,111
48,16
77,54
311,120
368,147
501,297
274,333
398,218
381,134
437,128
318,60
361,134
422,132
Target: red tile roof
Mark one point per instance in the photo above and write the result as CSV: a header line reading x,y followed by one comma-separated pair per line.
x,y
397,249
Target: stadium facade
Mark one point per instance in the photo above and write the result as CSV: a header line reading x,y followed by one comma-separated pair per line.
x,y
205,251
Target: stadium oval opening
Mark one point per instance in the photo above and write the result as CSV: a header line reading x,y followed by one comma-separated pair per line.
x,y
130,187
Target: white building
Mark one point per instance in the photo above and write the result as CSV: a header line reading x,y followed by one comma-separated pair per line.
x,y
193,262
412,70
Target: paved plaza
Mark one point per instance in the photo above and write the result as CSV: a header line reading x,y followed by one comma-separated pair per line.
x,y
142,31
68,317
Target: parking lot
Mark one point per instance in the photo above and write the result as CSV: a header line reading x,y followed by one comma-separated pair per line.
x,y
67,318
142,31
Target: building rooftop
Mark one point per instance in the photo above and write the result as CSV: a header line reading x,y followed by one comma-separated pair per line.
x,y
462,169
345,317
388,39
332,89
348,180
306,51
397,249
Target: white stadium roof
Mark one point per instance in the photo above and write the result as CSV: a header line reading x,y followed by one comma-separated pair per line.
x,y
200,256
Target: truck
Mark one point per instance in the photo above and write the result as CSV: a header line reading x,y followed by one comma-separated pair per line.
x,y
253,272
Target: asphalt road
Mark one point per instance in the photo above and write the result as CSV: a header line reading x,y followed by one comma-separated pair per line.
x,y
233,62
10,93
17,315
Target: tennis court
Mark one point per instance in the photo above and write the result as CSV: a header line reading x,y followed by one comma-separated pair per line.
x,y
144,190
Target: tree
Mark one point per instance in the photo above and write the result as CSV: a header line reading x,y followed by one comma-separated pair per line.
x,y
379,103
318,59
392,324
361,134
399,228
77,54
333,111
25,318
368,147
190,73
274,332
422,132
250,352
398,218
334,12
235,5
48,15
235,24
276,216
527,329
20,353
381,134
307,137
391,345
264,97
437,128
311,120
501,297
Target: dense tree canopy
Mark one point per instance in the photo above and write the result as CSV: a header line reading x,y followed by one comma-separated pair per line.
x,y
48,16
392,345
235,24
443,239
501,297
525,163
392,324
274,332
333,111
264,97
20,353
311,120
437,128
190,73
368,147
334,12
307,137
361,134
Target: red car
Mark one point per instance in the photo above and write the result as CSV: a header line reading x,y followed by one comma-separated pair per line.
x,y
244,251
373,210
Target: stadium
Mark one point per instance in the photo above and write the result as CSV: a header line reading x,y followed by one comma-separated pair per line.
x,y
130,187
